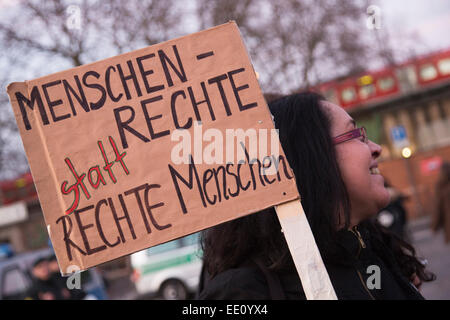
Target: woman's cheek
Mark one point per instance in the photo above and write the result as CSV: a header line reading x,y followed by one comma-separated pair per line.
x,y
385,197
352,169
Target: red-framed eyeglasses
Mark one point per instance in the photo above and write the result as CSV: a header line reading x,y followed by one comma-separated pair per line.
x,y
353,134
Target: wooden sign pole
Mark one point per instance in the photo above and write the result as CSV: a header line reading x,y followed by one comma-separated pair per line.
x,y
310,267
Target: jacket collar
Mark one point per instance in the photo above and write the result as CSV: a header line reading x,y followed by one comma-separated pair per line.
x,y
354,241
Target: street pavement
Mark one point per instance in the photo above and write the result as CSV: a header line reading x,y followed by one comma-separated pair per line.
x,y
431,246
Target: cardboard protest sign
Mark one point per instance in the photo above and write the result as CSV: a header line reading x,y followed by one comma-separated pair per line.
x,y
133,151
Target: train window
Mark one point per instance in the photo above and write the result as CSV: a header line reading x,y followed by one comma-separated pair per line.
x,y
348,94
171,245
367,91
330,95
444,66
386,83
428,72
407,78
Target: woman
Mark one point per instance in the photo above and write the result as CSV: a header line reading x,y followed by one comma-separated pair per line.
x,y
340,186
441,217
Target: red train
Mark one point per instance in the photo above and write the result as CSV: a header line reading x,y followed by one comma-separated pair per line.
x,y
18,189
390,82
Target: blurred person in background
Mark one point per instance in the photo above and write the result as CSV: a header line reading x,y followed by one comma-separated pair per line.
x,y
394,216
43,287
441,219
61,282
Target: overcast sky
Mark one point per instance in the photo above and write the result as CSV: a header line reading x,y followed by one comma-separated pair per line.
x,y
429,19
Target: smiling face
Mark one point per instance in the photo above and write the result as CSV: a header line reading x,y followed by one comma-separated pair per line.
x,y
358,166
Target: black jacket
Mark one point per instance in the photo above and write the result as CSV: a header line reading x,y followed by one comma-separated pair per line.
x,y
41,287
254,281
61,283
397,213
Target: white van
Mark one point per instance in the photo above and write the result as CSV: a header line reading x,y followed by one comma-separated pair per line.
x,y
171,269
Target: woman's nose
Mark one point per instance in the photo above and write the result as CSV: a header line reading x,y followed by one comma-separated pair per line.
x,y
375,149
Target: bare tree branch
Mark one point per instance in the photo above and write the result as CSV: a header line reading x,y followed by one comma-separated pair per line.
x,y
39,31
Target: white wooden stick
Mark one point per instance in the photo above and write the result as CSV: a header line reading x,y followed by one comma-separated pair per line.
x,y
313,274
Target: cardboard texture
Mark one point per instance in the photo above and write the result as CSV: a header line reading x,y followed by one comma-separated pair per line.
x,y
99,142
